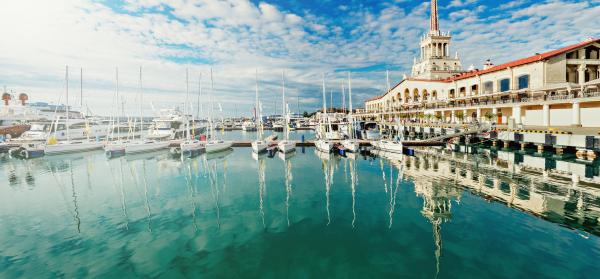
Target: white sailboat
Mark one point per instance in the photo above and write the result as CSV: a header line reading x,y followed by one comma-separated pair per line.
x,y
143,144
115,147
390,145
189,146
215,145
350,144
259,145
69,146
322,143
286,145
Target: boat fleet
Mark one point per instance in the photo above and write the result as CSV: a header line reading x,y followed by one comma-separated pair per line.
x,y
185,133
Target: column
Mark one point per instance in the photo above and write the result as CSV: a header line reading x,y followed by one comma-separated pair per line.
x,y
517,114
452,117
576,115
546,115
479,116
465,115
581,71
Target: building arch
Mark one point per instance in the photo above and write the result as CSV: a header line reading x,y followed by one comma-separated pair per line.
x,y
415,95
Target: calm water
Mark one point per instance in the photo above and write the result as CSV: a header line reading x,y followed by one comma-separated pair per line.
x,y
311,216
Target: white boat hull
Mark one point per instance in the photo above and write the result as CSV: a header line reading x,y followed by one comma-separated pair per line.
x,y
373,134
145,146
216,146
286,146
71,147
191,146
259,146
390,146
324,145
351,145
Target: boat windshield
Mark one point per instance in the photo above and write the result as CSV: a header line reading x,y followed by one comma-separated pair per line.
x,y
163,125
38,127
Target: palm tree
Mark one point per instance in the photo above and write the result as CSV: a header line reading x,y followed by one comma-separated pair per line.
x,y
489,116
460,116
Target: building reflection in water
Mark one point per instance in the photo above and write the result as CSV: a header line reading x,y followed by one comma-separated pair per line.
x,y
548,193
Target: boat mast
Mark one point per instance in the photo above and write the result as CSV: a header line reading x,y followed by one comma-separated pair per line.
x,y
350,107
67,108
199,109
257,109
284,107
186,110
141,104
212,88
81,88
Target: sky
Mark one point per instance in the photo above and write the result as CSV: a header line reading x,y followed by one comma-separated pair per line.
x,y
238,38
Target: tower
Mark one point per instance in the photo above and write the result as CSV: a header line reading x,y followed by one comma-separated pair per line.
x,y
435,61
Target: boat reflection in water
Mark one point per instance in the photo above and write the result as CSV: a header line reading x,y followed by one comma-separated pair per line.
x,y
436,213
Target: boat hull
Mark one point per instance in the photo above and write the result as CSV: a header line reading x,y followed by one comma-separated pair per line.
x,y
351,145
286,146
148,146
71,147
390,146
259,146
323,145
216,146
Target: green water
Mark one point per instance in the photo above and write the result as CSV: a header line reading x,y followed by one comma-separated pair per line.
x,y
310,216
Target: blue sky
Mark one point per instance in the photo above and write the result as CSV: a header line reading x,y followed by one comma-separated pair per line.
x,y
236,37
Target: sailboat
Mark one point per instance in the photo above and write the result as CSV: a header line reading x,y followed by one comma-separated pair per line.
x,y
143,144
115,147
53,147
259,145
189,146
322,143
350,144
214,145
286,145
390,145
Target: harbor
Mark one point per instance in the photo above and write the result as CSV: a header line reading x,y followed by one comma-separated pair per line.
x,y
274,139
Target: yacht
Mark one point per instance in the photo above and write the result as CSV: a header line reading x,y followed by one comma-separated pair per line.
x,y
170,124
40,131
190,146
323,142
248,126
370,131
259,145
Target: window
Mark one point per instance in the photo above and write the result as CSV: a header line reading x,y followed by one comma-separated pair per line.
x,y
504,85
488,87
524,82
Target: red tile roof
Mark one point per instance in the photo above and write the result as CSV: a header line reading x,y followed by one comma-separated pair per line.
x,y
520,62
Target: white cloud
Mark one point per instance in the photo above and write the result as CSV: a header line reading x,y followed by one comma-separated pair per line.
x,y
238,36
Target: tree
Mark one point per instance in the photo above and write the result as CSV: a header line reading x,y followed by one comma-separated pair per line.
x,y
489,116
460,116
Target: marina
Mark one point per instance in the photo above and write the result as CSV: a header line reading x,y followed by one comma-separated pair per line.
x,y
244,139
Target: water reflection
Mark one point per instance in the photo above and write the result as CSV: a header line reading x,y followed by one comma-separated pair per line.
x,y
175,229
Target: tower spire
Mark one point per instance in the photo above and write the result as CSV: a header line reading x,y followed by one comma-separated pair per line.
x,y
433,25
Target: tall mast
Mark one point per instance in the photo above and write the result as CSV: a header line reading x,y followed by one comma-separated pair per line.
x,y
186,110
212,88
67,108
350,106
81,88
257,108
141,104
198,106
117,106
284,107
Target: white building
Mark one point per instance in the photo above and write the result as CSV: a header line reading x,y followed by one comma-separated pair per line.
x,y
559,88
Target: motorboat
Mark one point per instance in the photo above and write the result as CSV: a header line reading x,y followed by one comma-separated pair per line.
x,y
170,124
370,131
40,131
248,126
115,148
